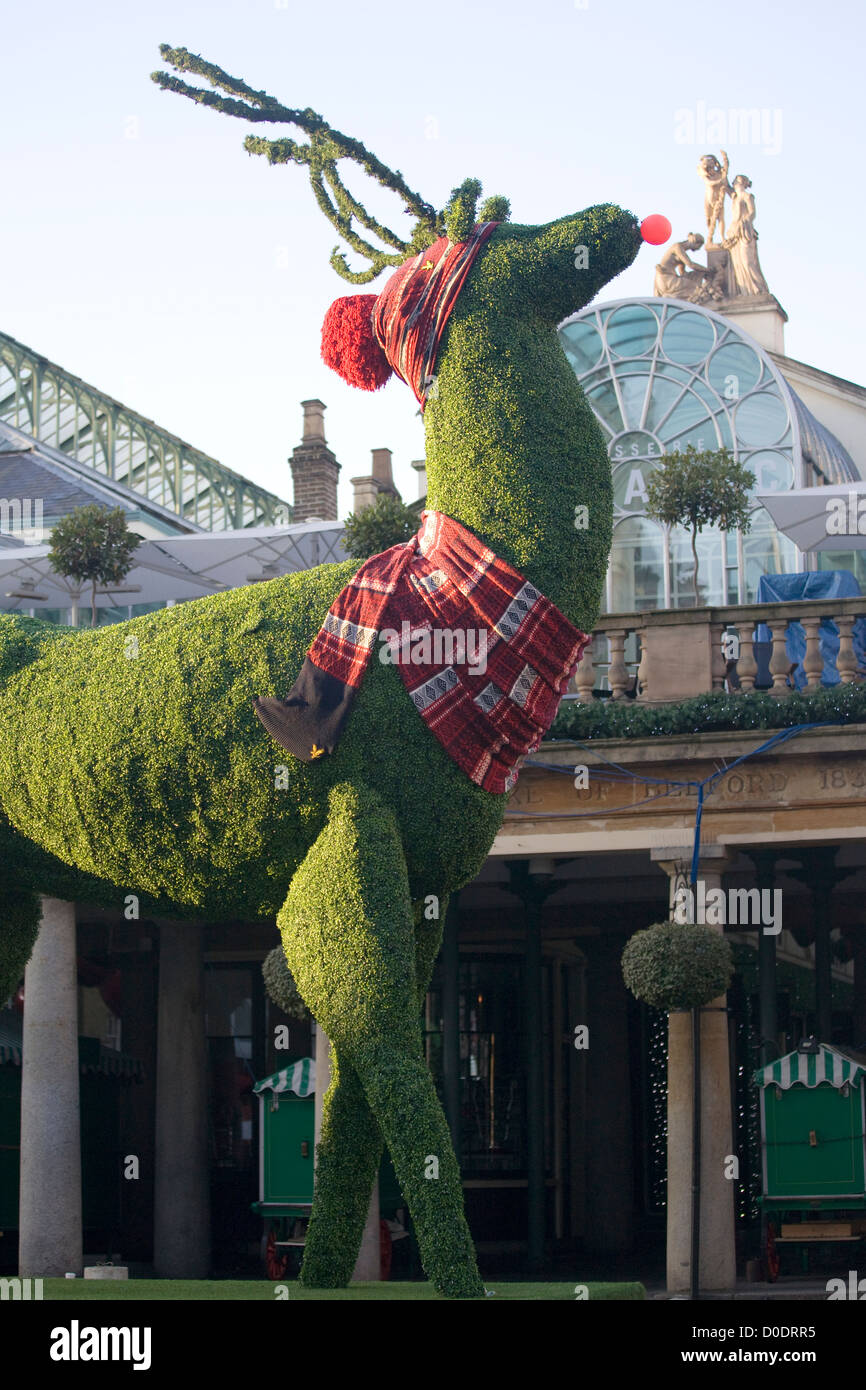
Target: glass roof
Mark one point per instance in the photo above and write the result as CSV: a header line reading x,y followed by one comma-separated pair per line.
x,y
661,375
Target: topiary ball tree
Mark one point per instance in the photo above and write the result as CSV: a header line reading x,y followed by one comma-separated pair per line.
x,y
387,522
135,755
672,966
93,545
280,985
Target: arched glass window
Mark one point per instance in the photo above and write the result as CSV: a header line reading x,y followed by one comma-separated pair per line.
x,y
637,566
765,551
659,376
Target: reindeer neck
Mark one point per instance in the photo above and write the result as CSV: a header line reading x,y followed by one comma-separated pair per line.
x,y
513,449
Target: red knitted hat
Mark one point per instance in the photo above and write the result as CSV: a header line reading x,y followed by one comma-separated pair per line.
x,y
366,336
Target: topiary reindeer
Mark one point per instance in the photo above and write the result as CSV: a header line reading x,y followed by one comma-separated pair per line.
x,y
135,755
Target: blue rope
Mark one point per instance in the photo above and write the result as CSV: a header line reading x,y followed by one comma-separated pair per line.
x,y
705,787
696,851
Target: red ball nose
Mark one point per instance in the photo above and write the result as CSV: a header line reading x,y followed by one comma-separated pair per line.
x,y
655,229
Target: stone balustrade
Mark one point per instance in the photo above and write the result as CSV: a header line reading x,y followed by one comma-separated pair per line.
x,y
661,656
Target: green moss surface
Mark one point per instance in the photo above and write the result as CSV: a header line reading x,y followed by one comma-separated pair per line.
x,y
291,1290
349,936
133,756
153,772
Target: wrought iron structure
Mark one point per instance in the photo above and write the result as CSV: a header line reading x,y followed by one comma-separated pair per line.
x,y
57,408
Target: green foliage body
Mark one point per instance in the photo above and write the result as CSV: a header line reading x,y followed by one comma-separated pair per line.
x,y
695,490
142,764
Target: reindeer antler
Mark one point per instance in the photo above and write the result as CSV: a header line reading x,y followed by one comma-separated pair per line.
x,y
326,146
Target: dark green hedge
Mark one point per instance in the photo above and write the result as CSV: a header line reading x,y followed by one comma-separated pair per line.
x,y
704,714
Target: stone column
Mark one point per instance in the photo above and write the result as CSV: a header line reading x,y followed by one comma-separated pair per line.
x,y
181,1234
718,1253
368,1265
322,1049
50,1194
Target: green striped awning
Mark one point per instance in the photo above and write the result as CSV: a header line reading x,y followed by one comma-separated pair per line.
x,y
828,1064
300,1077
92,1056
111,1063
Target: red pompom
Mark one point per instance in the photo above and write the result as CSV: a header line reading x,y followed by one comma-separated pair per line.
x,y
349,345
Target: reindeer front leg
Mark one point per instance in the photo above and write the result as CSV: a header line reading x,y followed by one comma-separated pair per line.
x,y
347,1164
349,939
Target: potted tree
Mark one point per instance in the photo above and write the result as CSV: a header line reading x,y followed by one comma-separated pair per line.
x,y
93,544
695,489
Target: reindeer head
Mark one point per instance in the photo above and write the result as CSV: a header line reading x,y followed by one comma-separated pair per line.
x,y
468,320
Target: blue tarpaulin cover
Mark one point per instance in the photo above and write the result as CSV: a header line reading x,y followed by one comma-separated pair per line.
x,y
785,588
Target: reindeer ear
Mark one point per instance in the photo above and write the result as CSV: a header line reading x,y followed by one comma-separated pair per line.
x,y
349,346
460,210
495,209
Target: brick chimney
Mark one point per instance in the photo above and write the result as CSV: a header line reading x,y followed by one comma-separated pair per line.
x,y
314,468
370,488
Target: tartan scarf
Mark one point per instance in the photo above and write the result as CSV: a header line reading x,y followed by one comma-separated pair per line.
x,y
484,656
410,314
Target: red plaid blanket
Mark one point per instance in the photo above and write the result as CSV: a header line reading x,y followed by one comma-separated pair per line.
x,y
484,656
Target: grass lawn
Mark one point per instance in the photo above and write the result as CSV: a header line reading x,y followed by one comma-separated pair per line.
x,y
263,1291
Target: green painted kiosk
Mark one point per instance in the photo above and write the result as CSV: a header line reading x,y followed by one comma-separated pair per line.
x,y
286,1164
813,1140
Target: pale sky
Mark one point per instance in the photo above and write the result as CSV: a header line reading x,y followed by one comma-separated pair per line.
x,y
146,252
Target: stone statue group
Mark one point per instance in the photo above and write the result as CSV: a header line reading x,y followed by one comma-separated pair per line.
x,y
732,268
